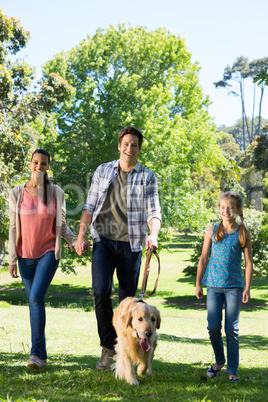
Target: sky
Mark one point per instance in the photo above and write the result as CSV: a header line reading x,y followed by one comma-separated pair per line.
x,y
216,33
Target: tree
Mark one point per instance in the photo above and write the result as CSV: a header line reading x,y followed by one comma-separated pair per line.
x,y
229,146
24,115
238,73
129,76
256,67
234,81
260,152
237,130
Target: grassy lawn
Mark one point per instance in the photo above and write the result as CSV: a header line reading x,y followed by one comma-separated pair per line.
x,y
182,357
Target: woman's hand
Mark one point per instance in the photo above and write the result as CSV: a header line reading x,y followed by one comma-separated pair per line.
x,y
82,246
13,271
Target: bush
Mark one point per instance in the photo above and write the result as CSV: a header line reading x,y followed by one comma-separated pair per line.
x,y
253,222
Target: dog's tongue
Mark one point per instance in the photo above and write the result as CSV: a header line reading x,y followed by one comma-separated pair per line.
x,y
145,344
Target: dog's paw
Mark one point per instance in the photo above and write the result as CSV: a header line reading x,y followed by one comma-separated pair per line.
x,y
144,371
141,371
132,381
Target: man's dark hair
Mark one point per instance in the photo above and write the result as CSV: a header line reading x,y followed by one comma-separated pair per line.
x,y
130,130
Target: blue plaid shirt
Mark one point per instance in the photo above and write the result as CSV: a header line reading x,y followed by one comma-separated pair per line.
x,y
142,200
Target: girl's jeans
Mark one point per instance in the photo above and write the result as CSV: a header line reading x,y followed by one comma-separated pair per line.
x,y
233,299
37,275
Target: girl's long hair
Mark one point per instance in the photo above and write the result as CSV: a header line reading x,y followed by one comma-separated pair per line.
x,y
219,234
47,196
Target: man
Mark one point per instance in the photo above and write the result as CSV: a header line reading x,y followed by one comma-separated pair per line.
x,y
122,198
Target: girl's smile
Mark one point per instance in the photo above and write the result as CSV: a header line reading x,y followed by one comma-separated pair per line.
x,y
228,210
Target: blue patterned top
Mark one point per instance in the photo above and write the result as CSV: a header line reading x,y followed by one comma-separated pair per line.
x,y
224,267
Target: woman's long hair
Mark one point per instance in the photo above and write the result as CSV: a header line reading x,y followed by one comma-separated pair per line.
x,y
47,196
236,198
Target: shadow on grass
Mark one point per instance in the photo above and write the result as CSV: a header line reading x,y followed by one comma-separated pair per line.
x,y
191,302
253,342
58,296
181,241
75,378
245,341
260,283
182,339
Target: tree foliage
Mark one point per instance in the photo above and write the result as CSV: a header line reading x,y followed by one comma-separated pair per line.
x,y
130,76
24,115
260,152
237,130
228,145
260,157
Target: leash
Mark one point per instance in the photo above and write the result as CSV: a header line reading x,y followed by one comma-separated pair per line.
x,y
146,274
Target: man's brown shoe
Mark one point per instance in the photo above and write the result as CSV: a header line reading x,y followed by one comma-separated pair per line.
x,y
105,361
34,362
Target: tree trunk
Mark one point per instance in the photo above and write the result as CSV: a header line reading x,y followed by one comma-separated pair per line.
x,y
260,105
2,252
253,113
243,115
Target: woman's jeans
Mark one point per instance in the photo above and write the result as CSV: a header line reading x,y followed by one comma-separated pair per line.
x,y
37,275
106,256
233,299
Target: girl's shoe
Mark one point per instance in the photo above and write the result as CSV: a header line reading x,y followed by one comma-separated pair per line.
x,y
213,373
234,379
43,362
34,362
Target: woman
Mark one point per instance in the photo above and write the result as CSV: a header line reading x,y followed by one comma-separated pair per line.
x,y
37,222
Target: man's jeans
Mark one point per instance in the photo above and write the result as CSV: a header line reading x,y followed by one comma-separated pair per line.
x,y
37,275
233,299
106,256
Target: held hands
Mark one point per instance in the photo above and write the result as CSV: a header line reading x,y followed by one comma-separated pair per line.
x,y
13,271
82,246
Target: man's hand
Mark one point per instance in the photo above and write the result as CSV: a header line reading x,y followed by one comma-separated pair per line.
x,y
152,242
13,271
82,246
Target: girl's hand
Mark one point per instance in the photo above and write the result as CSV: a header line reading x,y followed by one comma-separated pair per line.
x,y
199,291
246,296
13,271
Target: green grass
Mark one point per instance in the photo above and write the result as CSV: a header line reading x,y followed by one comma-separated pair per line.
x,y
182,357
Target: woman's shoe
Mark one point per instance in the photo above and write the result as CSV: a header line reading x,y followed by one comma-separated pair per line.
x,y
34,362
43,362
213,373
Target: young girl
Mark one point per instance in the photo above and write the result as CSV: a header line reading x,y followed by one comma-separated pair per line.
x,y
37,223
224,280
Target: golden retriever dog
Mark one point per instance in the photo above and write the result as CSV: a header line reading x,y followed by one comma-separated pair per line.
x,y
135,323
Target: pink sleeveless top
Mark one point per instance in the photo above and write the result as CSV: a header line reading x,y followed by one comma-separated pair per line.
x,y
38,227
